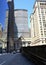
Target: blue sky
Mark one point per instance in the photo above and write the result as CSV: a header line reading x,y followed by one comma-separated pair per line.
x,y
3,6
18,4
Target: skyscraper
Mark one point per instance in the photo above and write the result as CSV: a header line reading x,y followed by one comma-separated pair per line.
x,y
10,29
21,27
38,23
21,21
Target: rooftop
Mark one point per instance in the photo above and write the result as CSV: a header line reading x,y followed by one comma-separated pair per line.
x,y
41,0
20,10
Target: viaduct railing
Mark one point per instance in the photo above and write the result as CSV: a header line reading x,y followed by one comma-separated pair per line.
x,y
35,53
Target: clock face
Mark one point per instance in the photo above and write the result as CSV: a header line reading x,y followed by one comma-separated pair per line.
x,y
9,0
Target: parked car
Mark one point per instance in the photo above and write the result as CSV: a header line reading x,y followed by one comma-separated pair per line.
x,y
18,51
3,51
14,52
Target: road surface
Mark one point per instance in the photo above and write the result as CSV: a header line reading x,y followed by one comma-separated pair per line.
x,y
14,59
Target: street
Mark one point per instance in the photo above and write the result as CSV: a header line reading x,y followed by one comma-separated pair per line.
x,y
14,59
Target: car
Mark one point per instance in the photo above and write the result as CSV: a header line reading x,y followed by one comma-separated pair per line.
x,y
14,52
18,51
3,51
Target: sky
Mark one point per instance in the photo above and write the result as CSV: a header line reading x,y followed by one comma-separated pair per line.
x,y
18,4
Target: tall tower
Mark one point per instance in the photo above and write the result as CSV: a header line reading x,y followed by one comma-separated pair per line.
x,y
21,20
10,30
38,23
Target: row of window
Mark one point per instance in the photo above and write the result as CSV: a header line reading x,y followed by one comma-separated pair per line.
x,y
44,41
42,33
42,3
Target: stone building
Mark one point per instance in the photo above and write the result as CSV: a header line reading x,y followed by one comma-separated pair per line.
x,y
38,23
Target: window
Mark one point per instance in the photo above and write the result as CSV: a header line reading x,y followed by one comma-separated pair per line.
x,y
45,11
42,3
45,40
41,26
42,33
43,17
44,25
42,41
45,33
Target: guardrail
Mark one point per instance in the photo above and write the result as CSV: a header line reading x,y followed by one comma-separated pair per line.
x,y
35,53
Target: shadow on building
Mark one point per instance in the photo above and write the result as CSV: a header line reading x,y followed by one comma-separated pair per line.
x,y
15,35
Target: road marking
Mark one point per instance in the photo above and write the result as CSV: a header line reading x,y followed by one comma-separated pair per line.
x,y
2,62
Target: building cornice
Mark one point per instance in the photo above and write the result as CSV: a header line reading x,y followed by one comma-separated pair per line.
x,y
20,10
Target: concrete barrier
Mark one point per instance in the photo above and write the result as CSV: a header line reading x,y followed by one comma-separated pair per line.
x,y
35,53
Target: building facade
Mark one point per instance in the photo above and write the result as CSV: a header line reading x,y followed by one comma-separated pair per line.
x,y
20,25
38,23
1,31
10,29
4,36
21,21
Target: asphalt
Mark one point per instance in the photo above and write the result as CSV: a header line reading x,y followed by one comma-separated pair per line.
x,y
14,59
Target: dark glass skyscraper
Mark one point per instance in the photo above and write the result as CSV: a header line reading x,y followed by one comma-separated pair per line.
x,y
10,29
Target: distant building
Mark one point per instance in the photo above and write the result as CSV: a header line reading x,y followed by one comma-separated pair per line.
x,y
20,24
2,39
6,25
38,23
21,21
1,31
29,32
